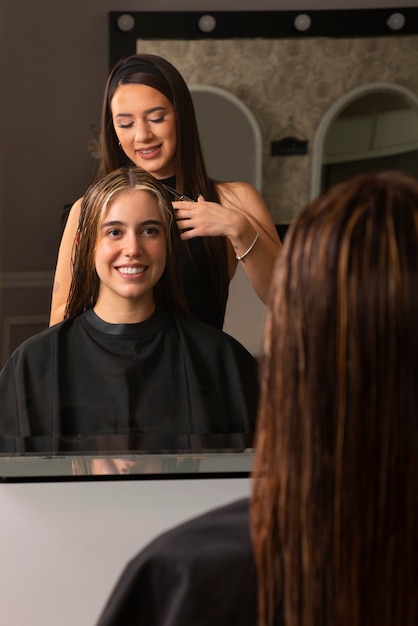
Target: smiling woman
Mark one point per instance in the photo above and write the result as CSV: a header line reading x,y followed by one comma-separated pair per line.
x,y
127,360
130,258
145,125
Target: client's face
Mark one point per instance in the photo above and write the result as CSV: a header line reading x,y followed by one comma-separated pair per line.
x,y
130,257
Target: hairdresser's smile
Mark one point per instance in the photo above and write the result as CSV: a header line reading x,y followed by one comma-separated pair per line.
x,y
130,255
149,153
145,125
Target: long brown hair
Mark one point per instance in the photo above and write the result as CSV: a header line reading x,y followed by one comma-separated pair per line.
x,y
191,176
335,508
85,282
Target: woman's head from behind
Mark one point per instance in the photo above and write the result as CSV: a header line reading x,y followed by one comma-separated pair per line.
x,y
165,107
126,224
337,441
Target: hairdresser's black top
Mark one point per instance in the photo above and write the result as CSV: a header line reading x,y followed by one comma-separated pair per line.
x,y
199,286
164,376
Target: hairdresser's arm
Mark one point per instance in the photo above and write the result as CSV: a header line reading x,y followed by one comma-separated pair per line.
x,y
240,216
62,279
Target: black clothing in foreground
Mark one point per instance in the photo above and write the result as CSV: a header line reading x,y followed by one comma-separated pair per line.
x,y
167,375
201,573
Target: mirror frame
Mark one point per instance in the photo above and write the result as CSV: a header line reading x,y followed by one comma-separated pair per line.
x,y
252,24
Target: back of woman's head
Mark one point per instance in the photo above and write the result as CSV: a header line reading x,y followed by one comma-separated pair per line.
x,y
335,511
156,72
85,282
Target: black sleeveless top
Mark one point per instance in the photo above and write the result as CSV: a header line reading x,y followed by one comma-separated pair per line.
x,y
198,282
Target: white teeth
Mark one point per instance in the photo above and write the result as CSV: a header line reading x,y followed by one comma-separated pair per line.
x,y
148,151
131,270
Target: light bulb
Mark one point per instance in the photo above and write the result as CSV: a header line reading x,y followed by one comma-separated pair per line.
x,y
126,22
302,22
207,23
396,21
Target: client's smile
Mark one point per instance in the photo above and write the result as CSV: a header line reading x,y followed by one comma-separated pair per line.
x,y
131,270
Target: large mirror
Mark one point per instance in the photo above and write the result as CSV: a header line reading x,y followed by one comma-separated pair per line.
x,y
287,68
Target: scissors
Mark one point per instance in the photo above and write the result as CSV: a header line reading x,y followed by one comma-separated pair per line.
x,y
177,194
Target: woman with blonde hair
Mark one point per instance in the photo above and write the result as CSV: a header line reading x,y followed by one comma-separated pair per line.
x,y
128,360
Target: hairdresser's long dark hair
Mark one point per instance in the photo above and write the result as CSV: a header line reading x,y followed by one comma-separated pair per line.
x,y
191,176
335,504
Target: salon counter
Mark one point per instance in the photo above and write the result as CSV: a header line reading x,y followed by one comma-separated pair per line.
x,y
70,523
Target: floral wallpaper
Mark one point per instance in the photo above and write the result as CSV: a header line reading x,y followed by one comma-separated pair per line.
x,y
289,84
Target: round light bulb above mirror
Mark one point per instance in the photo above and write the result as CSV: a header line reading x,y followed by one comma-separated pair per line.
x,y
207,23
302,22
396,21
126,22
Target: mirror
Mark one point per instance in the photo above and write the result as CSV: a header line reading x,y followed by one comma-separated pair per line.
x,y
288,79
372,127
220,114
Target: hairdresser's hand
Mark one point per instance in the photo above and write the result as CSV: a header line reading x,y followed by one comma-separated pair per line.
x,y
244,219
209,219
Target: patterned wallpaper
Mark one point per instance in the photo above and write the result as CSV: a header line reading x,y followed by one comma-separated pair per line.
x,y
289,84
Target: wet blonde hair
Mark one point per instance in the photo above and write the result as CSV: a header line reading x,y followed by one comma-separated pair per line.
x,y
85,282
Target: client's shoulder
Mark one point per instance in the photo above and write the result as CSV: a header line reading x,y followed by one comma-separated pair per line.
x,y
221,534
200,572
200,332
36,344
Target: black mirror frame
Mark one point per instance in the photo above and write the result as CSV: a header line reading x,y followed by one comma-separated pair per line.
x,y
252,24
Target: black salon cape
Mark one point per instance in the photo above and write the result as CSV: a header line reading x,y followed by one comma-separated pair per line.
x,y
201,573
162,376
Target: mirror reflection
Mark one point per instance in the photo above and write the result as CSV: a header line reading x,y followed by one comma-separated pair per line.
x,y
287,85
163,464
88,465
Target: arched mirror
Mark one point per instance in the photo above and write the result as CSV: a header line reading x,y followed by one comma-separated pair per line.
x,y
230,135
372,127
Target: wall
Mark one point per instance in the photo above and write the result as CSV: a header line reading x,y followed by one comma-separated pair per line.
x,y
63,545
